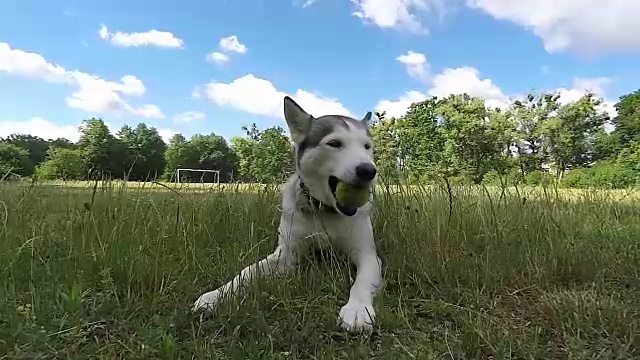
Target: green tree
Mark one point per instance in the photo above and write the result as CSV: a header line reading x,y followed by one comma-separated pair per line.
x,y
62,143
177,156
606,145
244,150
264,156
207,152
501,137
627,122
144,156
213,153
36,147
569,137
62,163
386,148
420,141
475,138
273,156
13,160
101,151
530,115
629,157
253,133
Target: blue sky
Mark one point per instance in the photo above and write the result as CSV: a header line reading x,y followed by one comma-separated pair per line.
x,y
212,66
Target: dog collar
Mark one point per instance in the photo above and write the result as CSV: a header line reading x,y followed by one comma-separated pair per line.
x,y
315,203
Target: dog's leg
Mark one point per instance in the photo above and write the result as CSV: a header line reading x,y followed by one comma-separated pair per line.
x,y
358,314
279,262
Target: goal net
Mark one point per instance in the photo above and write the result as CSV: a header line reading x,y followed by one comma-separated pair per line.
x,y
198,175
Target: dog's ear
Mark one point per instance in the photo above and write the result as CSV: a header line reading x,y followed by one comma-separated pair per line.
x,y
367,117
366,121
298,120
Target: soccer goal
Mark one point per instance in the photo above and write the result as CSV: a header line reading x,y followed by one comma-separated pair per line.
x,y
216,174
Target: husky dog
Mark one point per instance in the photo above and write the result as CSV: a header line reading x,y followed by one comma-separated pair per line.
x,y
328,149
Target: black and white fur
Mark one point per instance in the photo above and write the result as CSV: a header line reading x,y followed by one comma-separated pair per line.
x,y
328,148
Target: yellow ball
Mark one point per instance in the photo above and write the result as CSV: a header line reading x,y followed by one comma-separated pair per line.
x,y
350,195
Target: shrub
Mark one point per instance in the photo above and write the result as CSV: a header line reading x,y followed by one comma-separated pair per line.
x,y
607,175
612,176
538,177
460,180
576,178
65,164
629,158
511,178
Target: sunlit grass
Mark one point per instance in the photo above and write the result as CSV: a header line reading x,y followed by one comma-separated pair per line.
x,y
538,191
109,269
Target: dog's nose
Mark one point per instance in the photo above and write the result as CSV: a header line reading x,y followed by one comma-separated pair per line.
x,y
366,171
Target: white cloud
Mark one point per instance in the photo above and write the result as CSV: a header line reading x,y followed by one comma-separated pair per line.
x,y
583,85
595,85
416,65
467,80
163,39
189,116
231,44
217,57
149,112
45,129
18,62
260,97
39,127
450,81
92,93
580,87
399,14
308,3
397,108
167,134
195,93
586,26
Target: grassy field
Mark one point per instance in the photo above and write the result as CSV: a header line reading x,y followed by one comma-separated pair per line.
x,y
109,272
522,191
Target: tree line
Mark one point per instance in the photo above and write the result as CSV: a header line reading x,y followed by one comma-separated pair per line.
x,y
140,154
536,139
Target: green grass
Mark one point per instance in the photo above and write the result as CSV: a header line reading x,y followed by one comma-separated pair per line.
x,y
528,191
109,272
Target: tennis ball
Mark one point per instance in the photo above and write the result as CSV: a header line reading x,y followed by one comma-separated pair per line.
x,y
350,195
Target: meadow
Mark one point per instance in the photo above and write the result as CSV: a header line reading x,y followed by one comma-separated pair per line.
x,y
108,270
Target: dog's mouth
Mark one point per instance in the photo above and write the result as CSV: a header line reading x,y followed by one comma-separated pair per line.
x,y
345,209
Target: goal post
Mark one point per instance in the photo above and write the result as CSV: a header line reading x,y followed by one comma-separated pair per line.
x,y
215,172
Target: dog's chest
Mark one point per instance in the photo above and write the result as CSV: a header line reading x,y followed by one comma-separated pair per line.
x,y
326,229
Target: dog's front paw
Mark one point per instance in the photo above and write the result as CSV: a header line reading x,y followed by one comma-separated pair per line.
x,y
207,301
357,317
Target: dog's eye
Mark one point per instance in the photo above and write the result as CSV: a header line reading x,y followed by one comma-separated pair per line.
x,y
334,143
367,146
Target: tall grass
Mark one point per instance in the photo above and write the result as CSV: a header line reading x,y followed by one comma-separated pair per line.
x,y
109,271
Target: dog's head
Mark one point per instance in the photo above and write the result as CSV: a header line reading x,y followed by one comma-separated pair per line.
x,y
330,149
